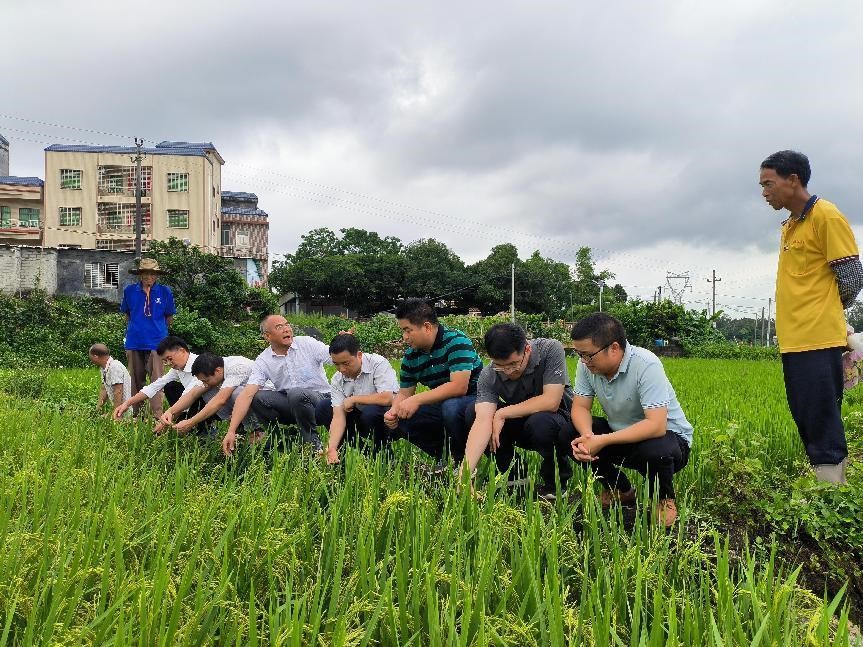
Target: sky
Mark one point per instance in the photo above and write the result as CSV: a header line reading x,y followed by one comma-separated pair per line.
x,y
636,129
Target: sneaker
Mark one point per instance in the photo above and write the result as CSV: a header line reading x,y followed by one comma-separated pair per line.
x,y
608,497
550,493
666,512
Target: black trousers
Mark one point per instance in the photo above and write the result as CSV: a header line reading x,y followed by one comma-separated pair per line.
x,y
172,392
546,434
367,424
657,459
814,387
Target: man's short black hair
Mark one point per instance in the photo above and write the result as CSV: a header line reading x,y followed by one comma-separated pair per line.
x,y
417,311
786,163
206,364
602,329
504,339
171,342
345,342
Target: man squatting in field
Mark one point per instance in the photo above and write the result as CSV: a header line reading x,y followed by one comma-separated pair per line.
x,y
222,379
176,352
446,362
115,385
523,400
644,428
362,392
300,392
818,276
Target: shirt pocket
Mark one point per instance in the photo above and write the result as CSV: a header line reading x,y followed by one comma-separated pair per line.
x,y
795,251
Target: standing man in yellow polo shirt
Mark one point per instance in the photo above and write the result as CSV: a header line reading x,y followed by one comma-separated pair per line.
x,y
819,275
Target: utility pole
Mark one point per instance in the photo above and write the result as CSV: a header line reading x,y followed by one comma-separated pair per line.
x,y
659,294
755,331
138,219
769,315
713,281
601,285
763,328
512,298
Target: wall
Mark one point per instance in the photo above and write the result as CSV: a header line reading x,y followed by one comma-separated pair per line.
x,y
70,272
23,268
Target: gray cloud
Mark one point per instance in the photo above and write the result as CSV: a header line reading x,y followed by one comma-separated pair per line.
x,y
547,124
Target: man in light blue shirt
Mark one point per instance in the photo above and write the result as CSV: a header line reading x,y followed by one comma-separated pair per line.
x,y
644,429
300,392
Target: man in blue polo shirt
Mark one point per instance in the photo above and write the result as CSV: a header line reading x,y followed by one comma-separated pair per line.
x,y
149,309
645,428
446,362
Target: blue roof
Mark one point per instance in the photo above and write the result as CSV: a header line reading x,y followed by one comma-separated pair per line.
x,y
125,150
21,181
239,195
244,211
3,140
201,145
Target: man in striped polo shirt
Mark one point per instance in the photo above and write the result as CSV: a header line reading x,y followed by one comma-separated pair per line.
x,y
446,362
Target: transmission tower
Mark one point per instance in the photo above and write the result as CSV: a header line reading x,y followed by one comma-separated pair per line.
x,y
675,287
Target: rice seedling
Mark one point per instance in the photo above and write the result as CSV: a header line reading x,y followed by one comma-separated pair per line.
x,y
113,536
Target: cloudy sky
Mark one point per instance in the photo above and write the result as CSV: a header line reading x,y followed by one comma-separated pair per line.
x,y
634,128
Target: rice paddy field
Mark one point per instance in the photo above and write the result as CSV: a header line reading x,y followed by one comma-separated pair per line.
x,y
111,536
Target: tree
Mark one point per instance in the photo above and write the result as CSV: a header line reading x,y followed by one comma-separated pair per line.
x,y
359,270
433,270
492,295
203,282
544,285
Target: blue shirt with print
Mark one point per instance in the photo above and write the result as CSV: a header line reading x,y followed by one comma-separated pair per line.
x,y
147,327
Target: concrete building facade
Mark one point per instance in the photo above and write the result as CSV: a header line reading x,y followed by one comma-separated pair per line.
x,y
90,195
246,235
21,210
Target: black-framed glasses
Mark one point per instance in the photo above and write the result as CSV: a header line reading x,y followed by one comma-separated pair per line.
x,y
588,357
509,368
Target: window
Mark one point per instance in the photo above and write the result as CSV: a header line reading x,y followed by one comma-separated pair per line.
x,y
5,216
28,217
101,275
70,178
242,239
178,219
178,181
226,236
70,216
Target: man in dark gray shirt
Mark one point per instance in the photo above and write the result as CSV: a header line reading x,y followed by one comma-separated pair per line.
x,y
523,400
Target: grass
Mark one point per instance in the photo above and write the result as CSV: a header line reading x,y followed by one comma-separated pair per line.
x,y
113,536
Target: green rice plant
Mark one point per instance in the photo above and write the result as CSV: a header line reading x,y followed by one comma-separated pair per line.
x,y
114,536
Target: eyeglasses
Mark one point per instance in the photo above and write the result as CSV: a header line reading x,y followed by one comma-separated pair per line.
x,y
588,357
512,367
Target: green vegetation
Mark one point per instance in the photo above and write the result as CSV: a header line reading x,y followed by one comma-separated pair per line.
x,y
113,536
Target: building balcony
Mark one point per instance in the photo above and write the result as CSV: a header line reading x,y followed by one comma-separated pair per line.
x,y
120,181
244,251
122,225
21,231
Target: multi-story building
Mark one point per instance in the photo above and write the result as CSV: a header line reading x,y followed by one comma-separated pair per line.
x,y
90,195
245,234
4,156
21,209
